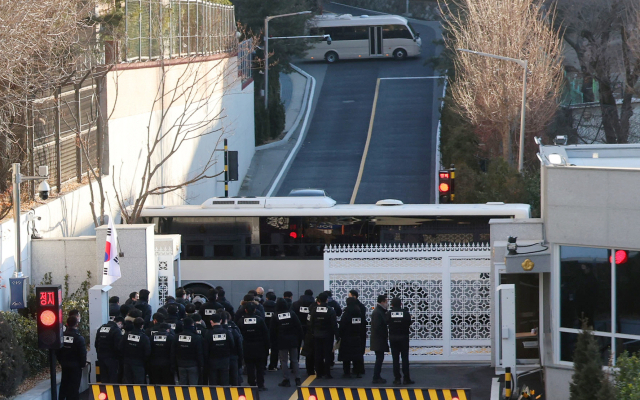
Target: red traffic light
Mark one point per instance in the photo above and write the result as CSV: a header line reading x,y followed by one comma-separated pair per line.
x,y
444,175
294,235
102,396
444,187
621,257
48,318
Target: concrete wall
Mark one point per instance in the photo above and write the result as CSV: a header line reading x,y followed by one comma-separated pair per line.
x,y
64,256
557,380
592,206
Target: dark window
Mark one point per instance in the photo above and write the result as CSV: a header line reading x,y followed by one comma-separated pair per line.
x,y
568,346
585,287
396,32
355,33
627,294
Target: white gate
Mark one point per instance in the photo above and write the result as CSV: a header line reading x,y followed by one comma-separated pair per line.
x,y
446,288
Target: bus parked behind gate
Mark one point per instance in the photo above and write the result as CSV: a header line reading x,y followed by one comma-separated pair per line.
x,y
379,36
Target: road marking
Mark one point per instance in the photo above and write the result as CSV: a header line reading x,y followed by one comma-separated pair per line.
x,y
366,146
495,389
306,383
415,77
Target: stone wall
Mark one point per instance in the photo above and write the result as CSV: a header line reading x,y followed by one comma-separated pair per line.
x,y
420,9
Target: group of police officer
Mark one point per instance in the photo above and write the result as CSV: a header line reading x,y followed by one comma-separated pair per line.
x,y
209,343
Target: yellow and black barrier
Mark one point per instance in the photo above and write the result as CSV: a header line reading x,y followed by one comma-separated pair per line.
x,y
356,393
157,392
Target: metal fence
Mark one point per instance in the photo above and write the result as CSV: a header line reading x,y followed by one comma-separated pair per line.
x,y
177,28
59,123
245,51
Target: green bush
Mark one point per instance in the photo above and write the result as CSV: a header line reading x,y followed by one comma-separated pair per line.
x,y
13,369
627,377
79,300
25,331
588,375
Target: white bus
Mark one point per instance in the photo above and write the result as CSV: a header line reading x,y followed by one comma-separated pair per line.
x,y
365,36
279,242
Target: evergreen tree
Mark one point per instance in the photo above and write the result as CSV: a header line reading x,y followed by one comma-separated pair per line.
x,y
12,367
588,376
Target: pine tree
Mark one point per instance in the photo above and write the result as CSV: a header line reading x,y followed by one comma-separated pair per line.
x,y
588,376
12,367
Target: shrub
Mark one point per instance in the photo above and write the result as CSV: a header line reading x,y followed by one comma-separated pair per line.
x,y
587,378
12,366
627,378
79,300
25,331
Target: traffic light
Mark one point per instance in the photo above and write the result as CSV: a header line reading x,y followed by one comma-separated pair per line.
x,y
446,185
49,312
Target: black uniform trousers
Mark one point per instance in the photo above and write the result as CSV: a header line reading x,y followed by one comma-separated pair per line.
x,y
218,373
400,348
134,374
255,371
108,369
234,371
323,348
377,368
273,358
358,365
70,383
161,374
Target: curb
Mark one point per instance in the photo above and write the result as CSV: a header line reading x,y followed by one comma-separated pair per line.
x,y
303,131
294,127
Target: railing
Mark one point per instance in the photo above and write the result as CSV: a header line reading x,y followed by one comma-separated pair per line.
x,y
245,50
177,28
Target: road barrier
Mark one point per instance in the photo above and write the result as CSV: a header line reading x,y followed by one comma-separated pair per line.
x,y
355,393
157,392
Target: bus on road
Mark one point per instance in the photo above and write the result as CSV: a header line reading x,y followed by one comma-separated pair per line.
x,y
379,36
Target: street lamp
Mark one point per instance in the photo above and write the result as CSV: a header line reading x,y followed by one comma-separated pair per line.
x,y
266,51
524,64
17,282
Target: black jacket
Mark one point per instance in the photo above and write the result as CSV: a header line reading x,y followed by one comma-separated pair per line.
x,y
307,348
240,312
146,311
323,321
161,349
207,310
218,345
289,302
255,336
237,339
181,310
336,307
135,347
301,308
107,341
73,353
269,310
174,322
399,322
379,334
351,344
226,304
286,330
188,349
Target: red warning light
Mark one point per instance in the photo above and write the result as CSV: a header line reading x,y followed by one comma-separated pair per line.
x,y
455,398
444,187
48,318
313,397
294,235
444,175
242,397
102,396
621,257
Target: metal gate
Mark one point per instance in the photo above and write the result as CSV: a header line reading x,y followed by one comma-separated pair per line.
x,y
447,289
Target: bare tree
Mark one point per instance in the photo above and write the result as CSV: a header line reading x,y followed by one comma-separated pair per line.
x,y
489,91
605,36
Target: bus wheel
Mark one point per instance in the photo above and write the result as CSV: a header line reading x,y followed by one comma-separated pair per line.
x,y
400,54
331,57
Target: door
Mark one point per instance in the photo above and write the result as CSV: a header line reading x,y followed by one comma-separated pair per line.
x,y
527,315
375,41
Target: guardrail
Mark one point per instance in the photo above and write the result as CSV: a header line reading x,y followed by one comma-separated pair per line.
x,y
157,392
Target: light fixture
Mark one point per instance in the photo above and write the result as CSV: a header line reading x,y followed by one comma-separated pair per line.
x,y
561,140
555,159
512,246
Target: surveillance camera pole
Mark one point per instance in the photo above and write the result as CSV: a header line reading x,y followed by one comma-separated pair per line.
x,y
18,178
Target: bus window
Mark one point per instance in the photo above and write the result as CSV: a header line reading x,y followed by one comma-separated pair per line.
x,y
396,32
355,33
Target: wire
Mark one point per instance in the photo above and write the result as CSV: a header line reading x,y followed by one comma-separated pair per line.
x,y
536,251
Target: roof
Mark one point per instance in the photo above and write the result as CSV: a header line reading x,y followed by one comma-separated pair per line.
x,y
350,20
625,156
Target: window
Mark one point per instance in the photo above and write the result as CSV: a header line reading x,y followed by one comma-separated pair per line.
x,y
396,32
601,286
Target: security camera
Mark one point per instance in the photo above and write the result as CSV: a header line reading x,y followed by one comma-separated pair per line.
x,y
43,190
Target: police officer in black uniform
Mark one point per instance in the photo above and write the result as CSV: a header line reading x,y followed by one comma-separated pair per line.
x,y
237,357
173,319
107,341
143,305
188,352
209,308
399,322
256,345
323,321
161,370
135,349
218,344
223,300
158,319
286,333
269,311
302,307
114,307
72,357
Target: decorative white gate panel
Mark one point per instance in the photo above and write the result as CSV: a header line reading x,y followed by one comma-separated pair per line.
x,y
446,288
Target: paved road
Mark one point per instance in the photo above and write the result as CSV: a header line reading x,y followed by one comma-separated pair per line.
x,y
399,162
